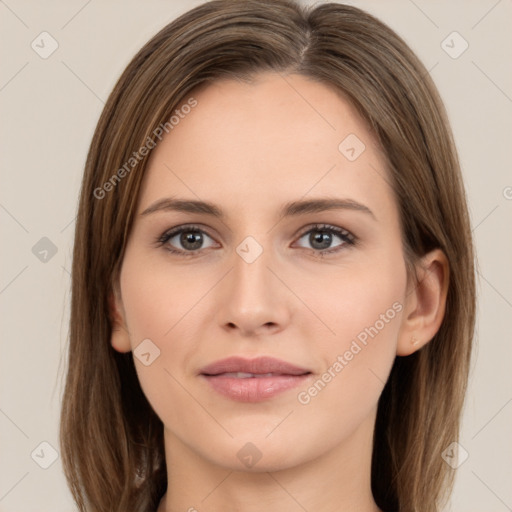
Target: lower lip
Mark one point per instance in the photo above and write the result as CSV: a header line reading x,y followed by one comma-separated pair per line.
x,y
254,389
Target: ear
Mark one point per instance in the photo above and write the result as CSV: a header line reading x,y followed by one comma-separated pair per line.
x,y
120,339
425,303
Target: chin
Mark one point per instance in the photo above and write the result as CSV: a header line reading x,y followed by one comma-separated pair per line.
x,y
256,454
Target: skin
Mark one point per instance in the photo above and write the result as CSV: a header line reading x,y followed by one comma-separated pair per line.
x,y
250,148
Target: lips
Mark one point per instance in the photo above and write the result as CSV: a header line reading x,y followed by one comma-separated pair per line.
x,y
253,380
259,366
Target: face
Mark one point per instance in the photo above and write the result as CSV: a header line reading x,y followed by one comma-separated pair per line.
x,y
264,274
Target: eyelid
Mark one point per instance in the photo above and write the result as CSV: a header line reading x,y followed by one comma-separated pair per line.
x,y
322,226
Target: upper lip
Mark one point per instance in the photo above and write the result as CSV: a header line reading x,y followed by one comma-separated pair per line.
x,y
259,365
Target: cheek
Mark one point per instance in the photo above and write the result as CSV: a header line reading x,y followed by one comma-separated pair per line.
x,y
361,302
158,305
156,299
364,309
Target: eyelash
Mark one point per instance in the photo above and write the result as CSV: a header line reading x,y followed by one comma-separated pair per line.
x,y
346,236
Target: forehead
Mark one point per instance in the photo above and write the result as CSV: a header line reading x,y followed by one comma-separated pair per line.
x,y
260,144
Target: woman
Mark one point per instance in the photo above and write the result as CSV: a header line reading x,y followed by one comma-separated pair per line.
x,y
273,292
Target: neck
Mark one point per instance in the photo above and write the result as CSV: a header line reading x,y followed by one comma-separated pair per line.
x,y
338,480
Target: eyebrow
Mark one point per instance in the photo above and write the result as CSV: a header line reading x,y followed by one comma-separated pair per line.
x,y
290,209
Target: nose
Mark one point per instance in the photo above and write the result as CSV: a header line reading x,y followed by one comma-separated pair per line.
x,y
253,299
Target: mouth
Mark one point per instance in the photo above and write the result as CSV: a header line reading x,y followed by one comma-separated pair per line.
x,y
253,380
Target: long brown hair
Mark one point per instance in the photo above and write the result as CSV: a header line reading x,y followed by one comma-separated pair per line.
x,y
111,439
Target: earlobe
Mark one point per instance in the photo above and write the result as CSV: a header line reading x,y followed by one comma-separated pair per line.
x,y
426,303
119,338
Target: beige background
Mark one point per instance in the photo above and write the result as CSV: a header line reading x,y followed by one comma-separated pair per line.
x,y
49,108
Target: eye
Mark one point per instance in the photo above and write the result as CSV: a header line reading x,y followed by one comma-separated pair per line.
x,y
321,237
188,240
